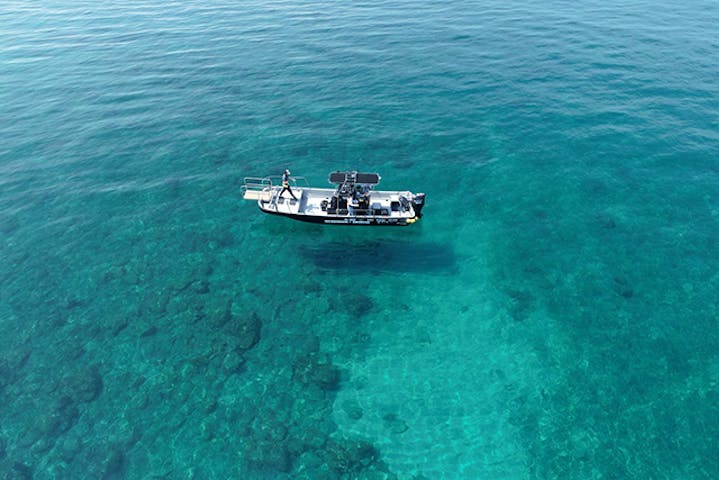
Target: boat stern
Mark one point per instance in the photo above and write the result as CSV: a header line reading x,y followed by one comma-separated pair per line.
x,y
418,204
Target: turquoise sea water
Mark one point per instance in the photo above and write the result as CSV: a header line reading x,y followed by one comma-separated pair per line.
x,y
553,316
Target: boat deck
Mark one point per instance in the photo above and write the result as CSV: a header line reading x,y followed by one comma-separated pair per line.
x,y
316,202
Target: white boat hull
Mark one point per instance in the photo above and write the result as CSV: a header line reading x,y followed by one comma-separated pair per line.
x,y
385,208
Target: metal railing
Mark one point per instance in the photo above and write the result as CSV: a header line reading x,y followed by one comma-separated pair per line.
x,y
256,188
261,188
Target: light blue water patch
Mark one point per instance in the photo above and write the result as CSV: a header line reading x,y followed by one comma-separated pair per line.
x,y
552,315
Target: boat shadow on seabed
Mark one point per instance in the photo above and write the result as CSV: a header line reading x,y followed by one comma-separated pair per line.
x,y
383,256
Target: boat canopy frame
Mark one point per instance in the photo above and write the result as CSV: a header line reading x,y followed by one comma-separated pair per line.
x,y
346,181
339,178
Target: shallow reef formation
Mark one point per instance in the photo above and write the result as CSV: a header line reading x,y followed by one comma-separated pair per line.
x,y
157,367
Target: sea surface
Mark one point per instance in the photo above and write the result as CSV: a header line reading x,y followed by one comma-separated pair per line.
x,y
554,315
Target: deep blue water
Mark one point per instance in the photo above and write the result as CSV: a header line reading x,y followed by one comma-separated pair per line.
x,y
554,315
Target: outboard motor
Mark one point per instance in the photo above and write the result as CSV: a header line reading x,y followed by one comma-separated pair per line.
x,y
418,204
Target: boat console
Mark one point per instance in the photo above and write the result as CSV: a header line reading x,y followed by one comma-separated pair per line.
x,y
352,194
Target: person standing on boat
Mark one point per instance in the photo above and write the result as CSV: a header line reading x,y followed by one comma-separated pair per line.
x,y
286,184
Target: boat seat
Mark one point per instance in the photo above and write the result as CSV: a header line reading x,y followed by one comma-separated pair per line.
x,y
377,209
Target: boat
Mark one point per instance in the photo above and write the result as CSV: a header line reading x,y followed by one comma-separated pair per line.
x,y
352,201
